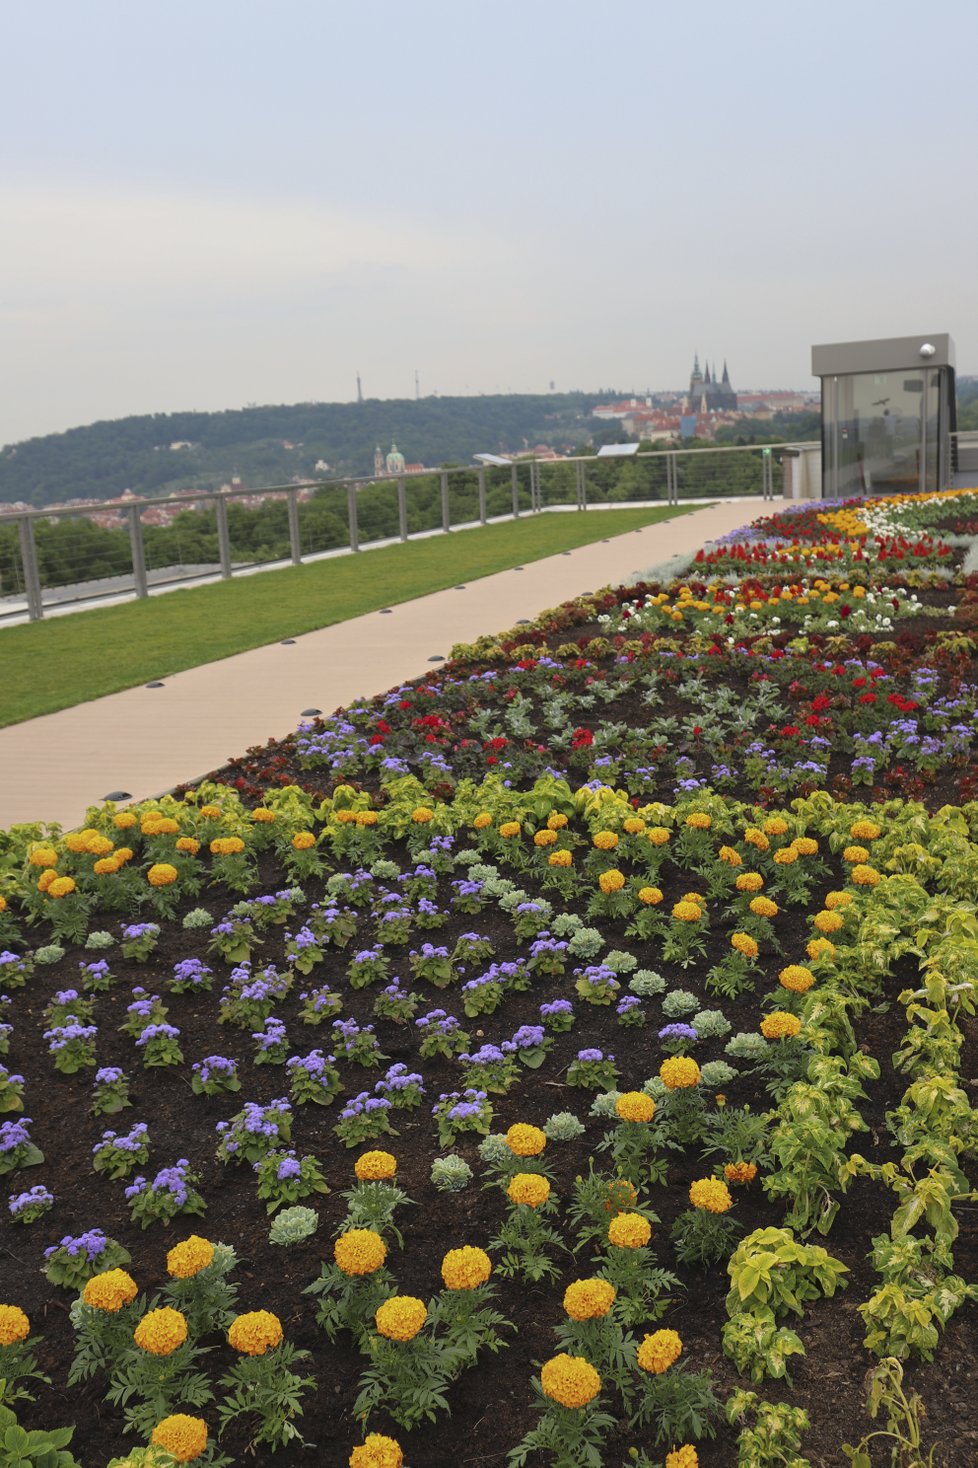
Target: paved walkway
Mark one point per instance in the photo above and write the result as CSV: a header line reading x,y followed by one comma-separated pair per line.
x,y
146,740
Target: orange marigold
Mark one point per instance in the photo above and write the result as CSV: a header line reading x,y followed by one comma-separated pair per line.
x,y
687,912
684,1457
864,831
161,1331
611,881
658,835
679,1072
589,1299
465,1268
14,1325
828,921
605,840
775,826
509,829
526,1141
482,820
544,838
635,1106
569,1380
110,1290
560,859
780,1026
650,896
820,948
61,887
855,854
763,907
401,1317
377,1451
730,856
796,978
745,944
528,1188
189,1258
629,1231
161,874
749,882
740,1172
376,1166
698,820
359,1251
183,1437
556,820
255,1332
303,840
658,1351
710,1194
865,876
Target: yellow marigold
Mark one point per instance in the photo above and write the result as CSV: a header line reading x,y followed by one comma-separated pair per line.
x,y
828,921
367,818
190,1257
820,948
375,1167
303,840
605,840
633,825
740,1172
188,844
255,1332
160,826
710,1194
620,1196
377,1451
359,1251
569,1380
43,856
263,815
749,882
834,900
345,817
796,978
780,1025
865,876
696,897
61,887
227,846
589,1299
14,1325
3,903
658,1351
124,820
864,831
401,1317
161,874
629,1231
785,856
556,820
528,1188
110,1290
684,1457
763,907
465,1268
679,1072
635,1106
421,815
650,896
658,835
611,881
855,854
77,841
730,856
124,854
46,878
775,826
98,845
525,1140
805,845
509,829
544,838
161,1331
560,859
183,1437
210,812
755,837
482,820
745,944
687,912
698,820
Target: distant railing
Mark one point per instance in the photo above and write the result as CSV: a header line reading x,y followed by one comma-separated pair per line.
x,y
120,549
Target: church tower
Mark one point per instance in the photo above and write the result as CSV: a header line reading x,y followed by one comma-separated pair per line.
x,y
379,466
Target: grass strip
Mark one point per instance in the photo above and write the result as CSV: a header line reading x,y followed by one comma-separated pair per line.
x,y
67,660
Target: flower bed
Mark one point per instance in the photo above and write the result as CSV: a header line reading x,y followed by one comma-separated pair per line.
x,y
587,1028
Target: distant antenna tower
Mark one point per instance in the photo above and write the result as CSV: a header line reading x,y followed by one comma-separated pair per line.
x,y
417,386
359,390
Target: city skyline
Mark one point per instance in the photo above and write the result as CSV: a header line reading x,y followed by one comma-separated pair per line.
x,y
207,207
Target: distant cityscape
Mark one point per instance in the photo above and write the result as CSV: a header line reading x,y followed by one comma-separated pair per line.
x,y
708,404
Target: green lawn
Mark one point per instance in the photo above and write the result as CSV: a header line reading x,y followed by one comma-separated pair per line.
x,y
68,660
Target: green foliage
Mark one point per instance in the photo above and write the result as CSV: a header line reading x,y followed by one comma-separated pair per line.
x,y
903,1419
39,1448
773,1438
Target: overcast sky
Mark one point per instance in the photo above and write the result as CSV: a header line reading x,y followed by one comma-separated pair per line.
x,y
207,204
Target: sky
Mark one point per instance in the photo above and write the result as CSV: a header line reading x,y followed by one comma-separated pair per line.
x,y
208,204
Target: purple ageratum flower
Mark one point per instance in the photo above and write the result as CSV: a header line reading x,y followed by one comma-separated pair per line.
x,y
108,1075
314,1064
557,1006
97,970
273,1034
485,1055
91,1244
288,1167
62,1035
399,1078
626,1005
527,1037
133,931
215,1066
590,1055
22,1201
66,996
191,971
15,1134
362,1104
157,1032
678,1032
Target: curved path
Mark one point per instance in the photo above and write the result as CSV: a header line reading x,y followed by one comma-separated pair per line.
x,y
146,740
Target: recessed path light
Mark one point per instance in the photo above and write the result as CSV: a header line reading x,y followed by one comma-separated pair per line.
x,y
460,588
288,641
386,612
117,795
310,713
437,658
156,685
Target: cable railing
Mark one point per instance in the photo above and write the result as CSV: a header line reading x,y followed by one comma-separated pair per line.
x,y
62,558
